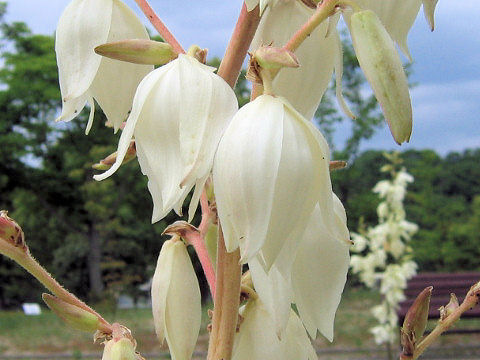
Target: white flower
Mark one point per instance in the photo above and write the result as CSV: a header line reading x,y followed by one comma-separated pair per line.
x,y
271,169
176,300
84,75
303,87
179,113
258,340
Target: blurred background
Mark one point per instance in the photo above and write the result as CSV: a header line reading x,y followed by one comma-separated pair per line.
x,y
96,237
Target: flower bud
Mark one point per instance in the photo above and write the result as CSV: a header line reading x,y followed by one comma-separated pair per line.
x,y
179,113
73,316
269,57
138,51
11,232
84,75
448,309
384,71
176,300
107,163
397,17
416,318
119,349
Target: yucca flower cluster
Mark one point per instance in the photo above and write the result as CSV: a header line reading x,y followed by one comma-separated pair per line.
x,y
385,260
261,174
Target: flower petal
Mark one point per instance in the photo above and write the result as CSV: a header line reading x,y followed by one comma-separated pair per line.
x,y
83,25
116,81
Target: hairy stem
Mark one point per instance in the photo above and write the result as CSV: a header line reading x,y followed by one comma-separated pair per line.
x,y
242,36
25,260
160,26
227,301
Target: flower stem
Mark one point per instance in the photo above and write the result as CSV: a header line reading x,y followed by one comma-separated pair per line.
x,y
471,300
26,260
242,36
227,301
160,26
323,11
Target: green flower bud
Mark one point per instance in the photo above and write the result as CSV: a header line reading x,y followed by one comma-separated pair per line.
x,y
138,51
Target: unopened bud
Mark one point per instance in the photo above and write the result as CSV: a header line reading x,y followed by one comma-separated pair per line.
x,y
269,57
119,349
74,316
383,69
138,51
337,164
416,319
12,239
448,309
108,162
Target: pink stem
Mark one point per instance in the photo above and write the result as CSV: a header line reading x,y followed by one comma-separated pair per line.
x,y
242,36
160,26
197,240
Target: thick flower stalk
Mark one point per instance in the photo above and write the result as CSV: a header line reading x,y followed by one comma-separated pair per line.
x,y
388,240
85,76
179,113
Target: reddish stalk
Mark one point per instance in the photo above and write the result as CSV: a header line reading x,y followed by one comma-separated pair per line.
x,y
242,36
160,26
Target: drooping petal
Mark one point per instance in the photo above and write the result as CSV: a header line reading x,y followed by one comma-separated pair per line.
x,y
257,339
116,81
429,11
274,291
244,173
318,276
84,24
384,71
303,87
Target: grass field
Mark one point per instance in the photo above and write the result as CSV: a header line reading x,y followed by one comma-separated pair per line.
x,y
47,334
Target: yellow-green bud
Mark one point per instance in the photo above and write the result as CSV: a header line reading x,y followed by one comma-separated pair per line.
x,y
73,316
269,57
383,69
138,51
119,349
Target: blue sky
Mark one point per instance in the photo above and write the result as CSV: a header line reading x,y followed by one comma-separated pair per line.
x,y
446,100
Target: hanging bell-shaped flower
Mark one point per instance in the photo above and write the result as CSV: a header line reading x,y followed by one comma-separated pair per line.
x,y
258,340
179,113
271,169
176,301
305,86
84,75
